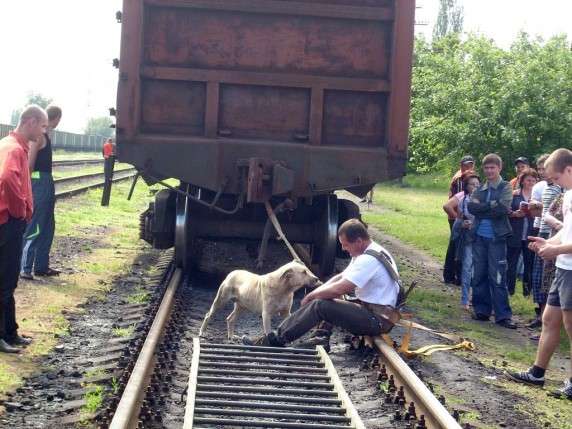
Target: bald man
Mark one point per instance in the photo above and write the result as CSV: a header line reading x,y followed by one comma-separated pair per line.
x,y
16,207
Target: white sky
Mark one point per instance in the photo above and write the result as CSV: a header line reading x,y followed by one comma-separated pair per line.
x,y
64,48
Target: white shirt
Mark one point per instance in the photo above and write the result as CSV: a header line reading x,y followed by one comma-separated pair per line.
x,y
536,195
373,283
564,261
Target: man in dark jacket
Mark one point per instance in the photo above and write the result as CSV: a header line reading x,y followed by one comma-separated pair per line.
x,y
490,205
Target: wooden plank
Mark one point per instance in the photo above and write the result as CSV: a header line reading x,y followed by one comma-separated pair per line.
x,y
266,79
284,8
192,386
212,109
316,115
351,411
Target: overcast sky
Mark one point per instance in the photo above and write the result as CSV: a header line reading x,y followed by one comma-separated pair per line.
x,y
64,48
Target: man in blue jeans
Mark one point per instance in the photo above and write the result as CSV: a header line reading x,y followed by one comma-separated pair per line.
x,y
39,233
490,204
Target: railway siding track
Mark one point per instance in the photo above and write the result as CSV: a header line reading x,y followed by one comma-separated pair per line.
x,y
95,180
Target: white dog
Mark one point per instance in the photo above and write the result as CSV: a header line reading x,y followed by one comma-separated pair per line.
x,y
267,294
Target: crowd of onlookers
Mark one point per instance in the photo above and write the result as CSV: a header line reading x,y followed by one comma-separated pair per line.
x,y
501,230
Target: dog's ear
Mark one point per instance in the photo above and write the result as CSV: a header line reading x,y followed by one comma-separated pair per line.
x,y
287,275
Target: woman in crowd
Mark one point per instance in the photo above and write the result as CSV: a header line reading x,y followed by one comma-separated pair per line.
x,y
521,222
463,232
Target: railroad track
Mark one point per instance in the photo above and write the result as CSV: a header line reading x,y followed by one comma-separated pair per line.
x,y
94,180
171,379
76,162
163,376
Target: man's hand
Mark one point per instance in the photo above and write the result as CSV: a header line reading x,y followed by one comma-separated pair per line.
x,y
517,214
308,298
536,243
549,251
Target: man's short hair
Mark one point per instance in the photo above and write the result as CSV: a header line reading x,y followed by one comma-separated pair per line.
x,y
353,229
559,160
542,159
32,111
492,158
54,112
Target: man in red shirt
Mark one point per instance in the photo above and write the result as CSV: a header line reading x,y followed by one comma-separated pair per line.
x,y
16,209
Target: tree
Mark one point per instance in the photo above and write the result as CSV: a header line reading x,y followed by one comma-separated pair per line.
x,y
472,97
449,20
32,98
99,126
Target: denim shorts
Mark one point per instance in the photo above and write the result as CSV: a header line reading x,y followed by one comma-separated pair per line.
x,y
560,294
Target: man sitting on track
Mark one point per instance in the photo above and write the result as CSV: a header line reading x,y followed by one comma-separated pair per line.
x,y
372,274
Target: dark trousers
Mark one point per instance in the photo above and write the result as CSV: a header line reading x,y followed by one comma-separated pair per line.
x,y
489,278
11,234
39,233
512,256
452,267
347,315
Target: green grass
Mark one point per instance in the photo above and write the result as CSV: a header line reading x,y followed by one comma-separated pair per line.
x,y
414,215
123,332
94,399
139,297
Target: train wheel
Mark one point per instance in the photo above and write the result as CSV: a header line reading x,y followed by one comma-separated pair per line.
x,y
325,244
185,255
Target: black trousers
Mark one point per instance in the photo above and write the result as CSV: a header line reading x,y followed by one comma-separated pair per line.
x,y
512,256
452,267
11,240
347,315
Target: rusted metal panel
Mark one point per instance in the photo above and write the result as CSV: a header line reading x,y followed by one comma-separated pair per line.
x,y
264,112
320,86
173,107
207,39
401,60
354,118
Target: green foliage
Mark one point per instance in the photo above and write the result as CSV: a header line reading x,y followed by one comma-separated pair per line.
x,y
99,126
471,97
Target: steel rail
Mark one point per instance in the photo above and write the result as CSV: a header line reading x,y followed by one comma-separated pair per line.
x,y
436,416
127,412
72,162
68,179
82,189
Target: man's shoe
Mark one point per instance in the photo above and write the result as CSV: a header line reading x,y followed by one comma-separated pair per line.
x,y
536,323
507,323
311,343
50,272
7,348
480,317
563,393
26,276
19,340
268,340
526,377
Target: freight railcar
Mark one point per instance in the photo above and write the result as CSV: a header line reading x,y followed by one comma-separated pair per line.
x,y
254,101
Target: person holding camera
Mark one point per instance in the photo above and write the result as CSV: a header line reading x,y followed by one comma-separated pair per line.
x,y
521,222
463,231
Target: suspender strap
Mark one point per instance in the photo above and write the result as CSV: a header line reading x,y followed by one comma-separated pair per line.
x,y
385,260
